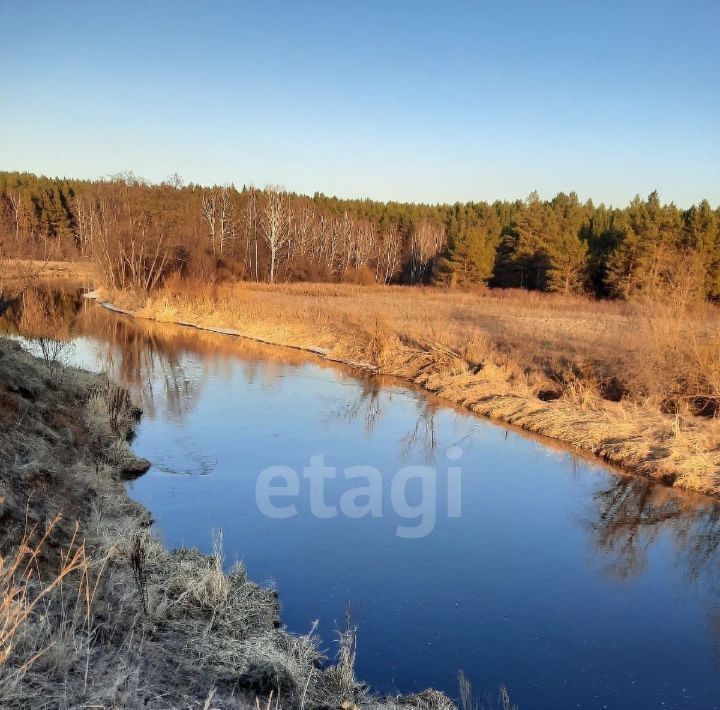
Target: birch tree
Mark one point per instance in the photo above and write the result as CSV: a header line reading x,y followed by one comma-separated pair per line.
x,y
251,228
84,223
209,215
389,253
275,222
426,242
16,207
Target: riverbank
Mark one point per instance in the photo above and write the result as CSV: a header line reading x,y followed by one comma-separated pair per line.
x,y
27,270
630,386
94,611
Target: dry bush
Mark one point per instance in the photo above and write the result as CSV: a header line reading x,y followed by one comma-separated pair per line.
x,y
477,350
583,392
675,361
54,354
114,401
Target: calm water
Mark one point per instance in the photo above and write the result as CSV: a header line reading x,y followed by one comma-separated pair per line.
x,y
573,586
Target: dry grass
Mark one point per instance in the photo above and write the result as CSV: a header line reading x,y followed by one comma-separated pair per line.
x,y
469,702
99,613
636,384
24,270
22,588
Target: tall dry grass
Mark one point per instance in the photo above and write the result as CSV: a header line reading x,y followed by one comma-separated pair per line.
x,y
40,601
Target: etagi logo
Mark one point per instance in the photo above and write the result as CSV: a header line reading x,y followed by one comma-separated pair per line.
x,y
278,489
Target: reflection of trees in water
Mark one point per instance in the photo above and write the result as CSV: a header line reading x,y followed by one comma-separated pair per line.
x,y
133,354
43,316
423,437
153,360
43,311
367,405
632,513
145,362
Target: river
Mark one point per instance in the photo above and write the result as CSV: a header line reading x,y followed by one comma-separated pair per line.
x,y
496,553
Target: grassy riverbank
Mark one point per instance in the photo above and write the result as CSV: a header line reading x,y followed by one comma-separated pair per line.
x,y
637,385
94,612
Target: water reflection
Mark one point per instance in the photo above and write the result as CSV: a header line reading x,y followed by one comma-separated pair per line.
x,y
636,531
373,395
422,436
632,513
367,405
157,363
629,514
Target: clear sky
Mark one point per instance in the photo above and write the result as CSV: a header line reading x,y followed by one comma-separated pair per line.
x,y
418,101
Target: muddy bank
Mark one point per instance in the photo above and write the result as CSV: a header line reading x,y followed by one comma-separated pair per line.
x,y
131,624
673,450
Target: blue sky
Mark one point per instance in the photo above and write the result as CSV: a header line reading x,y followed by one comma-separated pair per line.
x,y
419,101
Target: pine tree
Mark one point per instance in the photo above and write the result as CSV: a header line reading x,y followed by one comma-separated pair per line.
x,y
472,241
523,259
567,251
568,263
701,234
643,261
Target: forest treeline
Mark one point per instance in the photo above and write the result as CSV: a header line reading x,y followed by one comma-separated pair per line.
x,y
140,233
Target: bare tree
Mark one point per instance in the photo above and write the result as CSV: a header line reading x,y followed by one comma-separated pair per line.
x,y
209,215
323,243
389,252
84,223
301,229
225,219
346,241
218,215
129,247
103,245
275,220
145,266
327,243
365,238
250,221
426,242
16,207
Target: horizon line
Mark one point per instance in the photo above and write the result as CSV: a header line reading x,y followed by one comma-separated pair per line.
x,y
181,183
